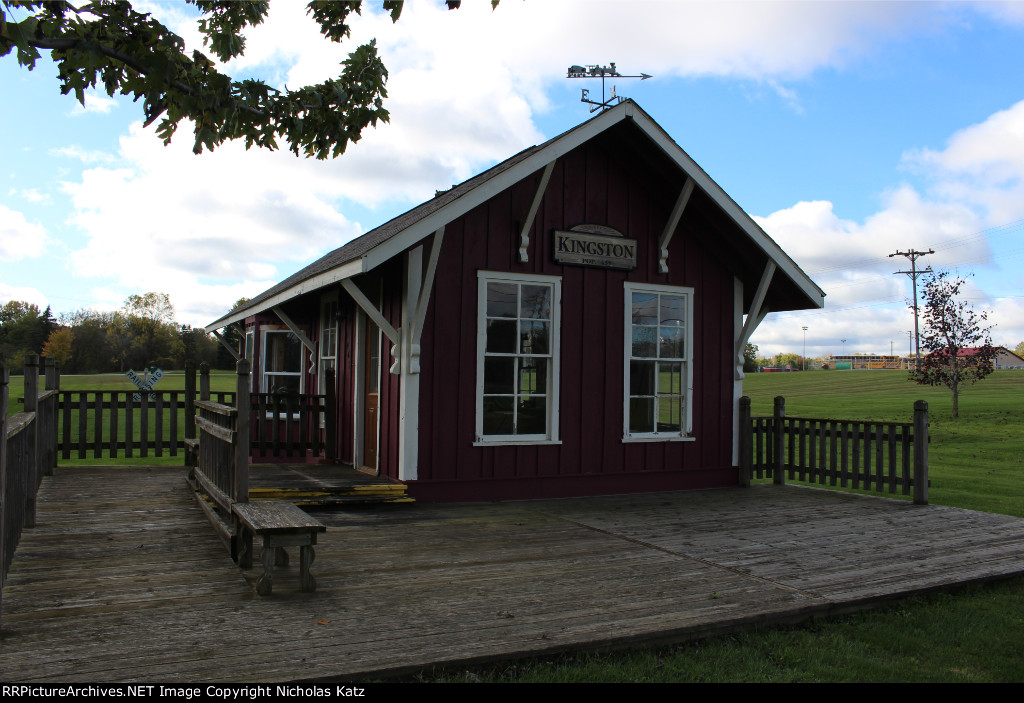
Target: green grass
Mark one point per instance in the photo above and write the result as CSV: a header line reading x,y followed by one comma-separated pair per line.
x,y
972,635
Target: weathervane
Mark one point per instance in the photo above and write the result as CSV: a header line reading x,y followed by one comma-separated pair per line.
x,y
600,72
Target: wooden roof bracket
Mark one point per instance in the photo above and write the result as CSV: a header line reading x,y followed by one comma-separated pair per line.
x,y
224,343
673,222
755,315
424,300
374,314
306,342
524,233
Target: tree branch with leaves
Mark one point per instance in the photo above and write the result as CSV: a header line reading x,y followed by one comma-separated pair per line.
x,y
110,46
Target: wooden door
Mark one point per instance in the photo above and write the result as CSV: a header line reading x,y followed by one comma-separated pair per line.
x,y
371,401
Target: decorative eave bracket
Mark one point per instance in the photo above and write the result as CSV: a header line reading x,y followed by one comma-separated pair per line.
x,y
524,232
306,342
755,315
224,343
673,222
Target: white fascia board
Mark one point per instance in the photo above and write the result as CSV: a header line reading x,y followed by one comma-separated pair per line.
x,y
477,196
729,206
334,275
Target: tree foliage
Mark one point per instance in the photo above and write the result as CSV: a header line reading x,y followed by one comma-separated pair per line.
x,y
59,345
23,331
110,46
958,344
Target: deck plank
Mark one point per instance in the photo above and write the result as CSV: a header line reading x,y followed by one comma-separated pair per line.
x,y
123,579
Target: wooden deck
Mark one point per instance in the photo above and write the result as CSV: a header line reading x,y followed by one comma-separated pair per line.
x,y
119,584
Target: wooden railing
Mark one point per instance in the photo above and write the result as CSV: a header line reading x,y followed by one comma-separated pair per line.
x,y
221,470
294,424
886,457
102,423
28,451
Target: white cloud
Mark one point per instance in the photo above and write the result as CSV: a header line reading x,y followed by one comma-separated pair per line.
x,y
95,103
19,238
199,227
981,167
26,293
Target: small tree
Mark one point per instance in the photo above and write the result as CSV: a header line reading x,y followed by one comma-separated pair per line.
x,y
59,345
959,348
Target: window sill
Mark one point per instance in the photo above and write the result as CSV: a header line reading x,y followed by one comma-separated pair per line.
x,y
660,438
507,442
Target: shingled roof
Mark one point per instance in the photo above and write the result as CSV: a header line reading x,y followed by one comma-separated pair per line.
x,y
380,244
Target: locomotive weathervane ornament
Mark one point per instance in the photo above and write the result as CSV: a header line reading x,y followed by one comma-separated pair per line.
x,y
600,72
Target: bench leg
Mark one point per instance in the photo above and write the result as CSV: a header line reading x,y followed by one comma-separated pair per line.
x,y
306,581
244,545
281,557
265,583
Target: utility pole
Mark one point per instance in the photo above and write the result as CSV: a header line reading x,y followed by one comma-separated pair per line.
x,y
914,255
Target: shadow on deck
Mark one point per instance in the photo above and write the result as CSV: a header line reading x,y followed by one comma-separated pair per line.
x,y
123,580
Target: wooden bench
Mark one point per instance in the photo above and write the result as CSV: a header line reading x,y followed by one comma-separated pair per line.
x,y
281,525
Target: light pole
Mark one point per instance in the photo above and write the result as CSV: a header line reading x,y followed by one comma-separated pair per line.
x,y
844,346
805,348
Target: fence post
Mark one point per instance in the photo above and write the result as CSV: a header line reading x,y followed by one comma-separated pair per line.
x,y
746,440
242,442
32,440
190,412
52,383
779,418
921,452
204,381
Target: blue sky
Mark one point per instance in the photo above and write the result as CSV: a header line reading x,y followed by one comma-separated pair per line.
x,y
848,130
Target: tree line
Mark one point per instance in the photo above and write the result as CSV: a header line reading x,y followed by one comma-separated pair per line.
x,y
141,334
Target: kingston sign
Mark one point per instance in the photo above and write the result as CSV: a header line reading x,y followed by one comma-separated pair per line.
x,y
597,250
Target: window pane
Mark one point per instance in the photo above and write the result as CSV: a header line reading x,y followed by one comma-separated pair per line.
x,y
670,378
532,415
498,415
641,415
671,342
641,377
673,310
533,337
284,352
501,336
500,375
536,303
645,343
645,309
670,411
533,376
502,299
282,384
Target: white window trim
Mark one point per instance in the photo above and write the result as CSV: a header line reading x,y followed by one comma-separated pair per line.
x,y
325,302
686,432
551,437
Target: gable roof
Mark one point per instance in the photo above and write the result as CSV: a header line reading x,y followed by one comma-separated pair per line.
x,y
390,239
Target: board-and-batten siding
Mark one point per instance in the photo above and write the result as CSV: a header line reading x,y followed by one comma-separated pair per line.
x,y
586,187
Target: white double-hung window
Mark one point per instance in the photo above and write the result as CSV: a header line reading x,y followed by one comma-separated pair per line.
x,y
658,372
517,358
